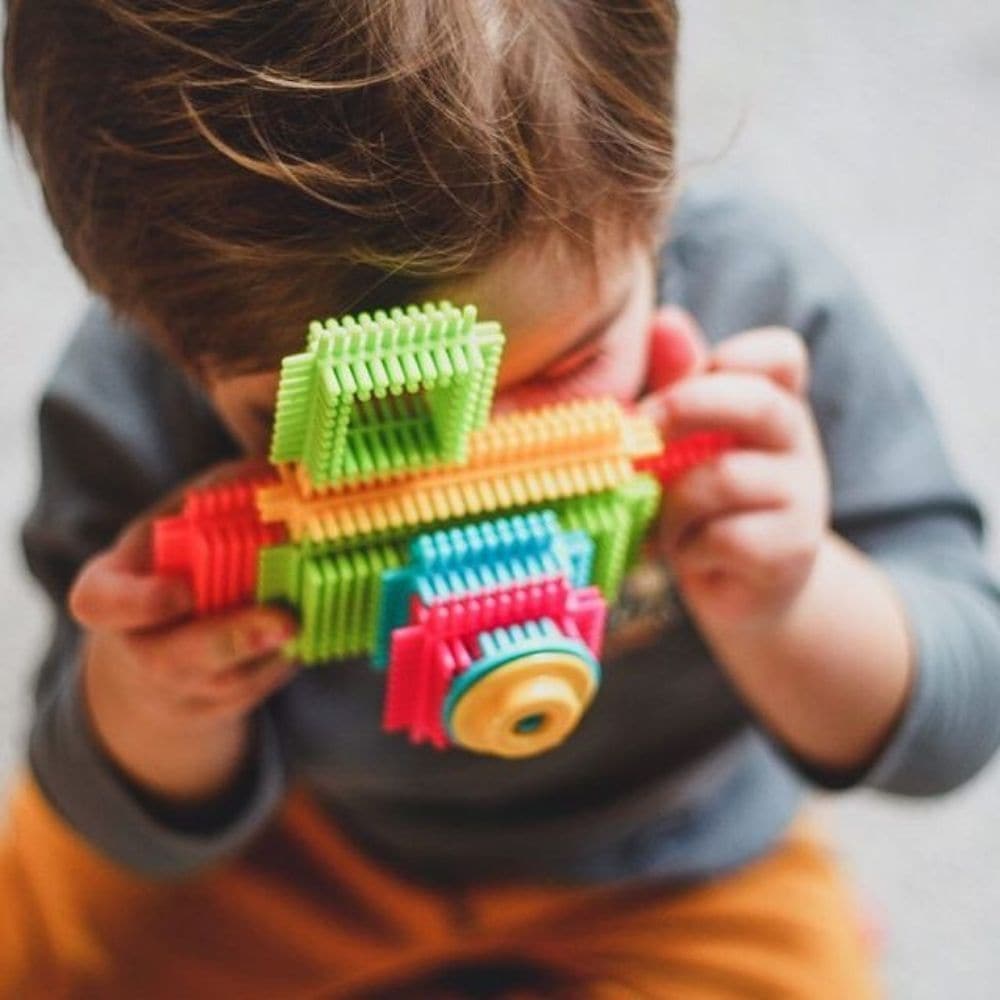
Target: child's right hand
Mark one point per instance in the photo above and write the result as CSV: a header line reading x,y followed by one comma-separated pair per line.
x,y
169,696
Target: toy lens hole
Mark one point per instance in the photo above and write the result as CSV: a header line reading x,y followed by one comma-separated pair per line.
x,y
529,724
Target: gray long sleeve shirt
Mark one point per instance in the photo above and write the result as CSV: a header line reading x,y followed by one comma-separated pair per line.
x,y
668,772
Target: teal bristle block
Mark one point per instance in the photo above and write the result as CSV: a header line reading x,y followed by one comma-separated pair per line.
x,y
500,641
476,557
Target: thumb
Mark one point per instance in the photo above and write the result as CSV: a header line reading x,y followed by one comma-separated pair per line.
x,y
108,595
677,347
118,589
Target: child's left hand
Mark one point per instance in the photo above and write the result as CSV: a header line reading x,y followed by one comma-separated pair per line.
x,y
741,532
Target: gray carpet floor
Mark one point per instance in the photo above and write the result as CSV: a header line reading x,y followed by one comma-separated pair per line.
x,y
878,121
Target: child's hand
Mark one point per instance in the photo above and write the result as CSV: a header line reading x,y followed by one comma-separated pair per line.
x,y
169,695
742,531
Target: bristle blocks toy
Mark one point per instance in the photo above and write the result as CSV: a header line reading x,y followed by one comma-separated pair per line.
x,y
392,392
492,634
216,542
472,559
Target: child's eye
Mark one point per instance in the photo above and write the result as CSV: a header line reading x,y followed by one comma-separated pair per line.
x,y
574,362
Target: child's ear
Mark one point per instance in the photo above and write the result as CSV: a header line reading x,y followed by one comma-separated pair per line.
x,y
677,347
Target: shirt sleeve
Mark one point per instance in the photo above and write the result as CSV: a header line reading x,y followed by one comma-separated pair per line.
x,y
894,493
896,498
118,428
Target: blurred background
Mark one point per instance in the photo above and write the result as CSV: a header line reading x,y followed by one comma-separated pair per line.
x,y
879,121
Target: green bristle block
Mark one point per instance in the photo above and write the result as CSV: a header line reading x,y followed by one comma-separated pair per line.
x,y
490,349
292,409
393,392
617,520
642,498
278,573
596,516
336,596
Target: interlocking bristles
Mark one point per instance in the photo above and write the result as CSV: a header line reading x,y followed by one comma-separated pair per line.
x,y
403,524
480,558
416,687
450,636
377,395
684,453
616,520
507,637
338,596
493,552
214,544
495,606
519,460
472,584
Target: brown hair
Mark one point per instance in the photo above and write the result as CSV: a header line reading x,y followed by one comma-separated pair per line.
x,y
224,170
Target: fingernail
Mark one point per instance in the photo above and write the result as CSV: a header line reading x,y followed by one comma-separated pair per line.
x,y
270,637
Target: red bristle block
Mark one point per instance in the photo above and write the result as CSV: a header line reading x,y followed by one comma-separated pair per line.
x,y
481,610
685,453
214,544
587,613
417,682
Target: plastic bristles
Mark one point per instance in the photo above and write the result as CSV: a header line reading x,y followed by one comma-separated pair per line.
x,y
337,596
684,453
376,395
469,586
451,635
616,520
520,460
480,558
214,544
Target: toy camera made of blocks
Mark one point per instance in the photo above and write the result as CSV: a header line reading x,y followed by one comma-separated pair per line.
x,y
471,559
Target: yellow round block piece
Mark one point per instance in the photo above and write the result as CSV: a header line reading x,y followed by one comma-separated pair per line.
x,y
525,707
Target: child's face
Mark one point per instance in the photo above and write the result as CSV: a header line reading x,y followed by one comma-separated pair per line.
x,y
570,335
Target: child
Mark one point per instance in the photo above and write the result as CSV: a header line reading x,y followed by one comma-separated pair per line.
x,y
201,819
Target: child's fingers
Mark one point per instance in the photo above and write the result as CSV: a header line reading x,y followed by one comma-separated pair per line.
x,y
132,549
738,480
677,348
233,680
240,690
755,409
764,545
105,596
244,694
116,591
194,652
778,353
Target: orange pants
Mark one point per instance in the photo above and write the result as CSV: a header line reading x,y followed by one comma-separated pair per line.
x,y
302,914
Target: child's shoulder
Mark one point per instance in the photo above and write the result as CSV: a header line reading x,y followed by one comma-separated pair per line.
x,y
725,209
739,257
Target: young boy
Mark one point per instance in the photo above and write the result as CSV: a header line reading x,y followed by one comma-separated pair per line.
x,y
201,819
